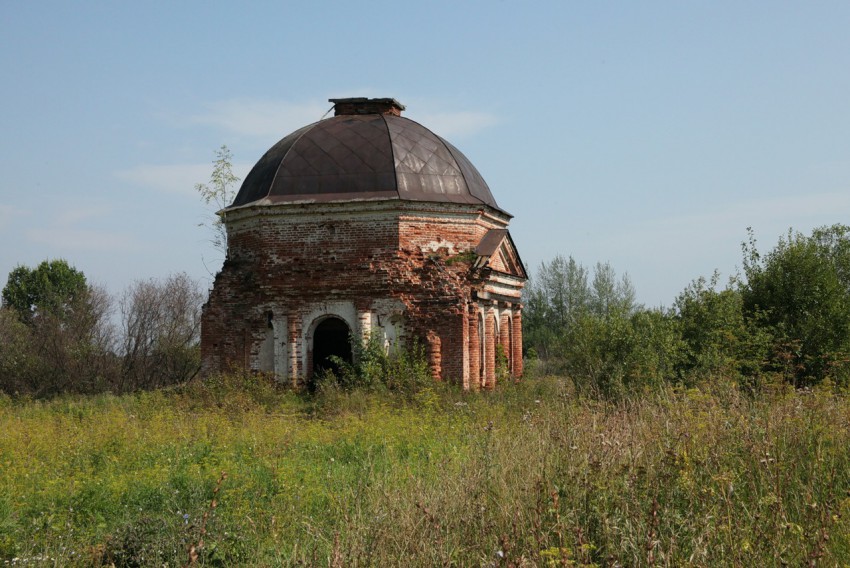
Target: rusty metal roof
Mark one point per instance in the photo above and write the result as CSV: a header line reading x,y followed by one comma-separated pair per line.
x,y
490,242
364,156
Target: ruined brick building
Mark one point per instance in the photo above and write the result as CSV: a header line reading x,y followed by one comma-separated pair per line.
x,y
361,224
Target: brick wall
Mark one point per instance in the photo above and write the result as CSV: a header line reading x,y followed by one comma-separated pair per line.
x,y
291,260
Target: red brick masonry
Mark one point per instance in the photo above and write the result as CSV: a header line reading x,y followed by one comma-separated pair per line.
x,y
399,270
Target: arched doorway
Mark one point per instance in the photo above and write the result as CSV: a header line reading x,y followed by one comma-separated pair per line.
x,y
331,339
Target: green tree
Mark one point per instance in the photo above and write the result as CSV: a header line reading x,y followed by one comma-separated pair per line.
x,y
54,332
718,340
657,348
554,299
610,295
589,326
801,290
53,287
219,192
562,295
20,363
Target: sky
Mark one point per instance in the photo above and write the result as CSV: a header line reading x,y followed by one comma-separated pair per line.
x,y
649,135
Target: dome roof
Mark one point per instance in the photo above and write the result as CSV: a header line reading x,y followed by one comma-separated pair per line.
x,y
366,151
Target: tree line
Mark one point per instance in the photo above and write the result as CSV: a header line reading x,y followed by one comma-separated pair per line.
x,y
784,319
59,334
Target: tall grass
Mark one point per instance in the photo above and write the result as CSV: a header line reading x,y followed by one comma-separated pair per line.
x,y
530,475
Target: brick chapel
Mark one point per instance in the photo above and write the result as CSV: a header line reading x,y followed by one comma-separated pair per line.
x,y
360,224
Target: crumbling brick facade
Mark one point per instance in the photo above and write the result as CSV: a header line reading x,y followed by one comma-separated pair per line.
x,y
304,275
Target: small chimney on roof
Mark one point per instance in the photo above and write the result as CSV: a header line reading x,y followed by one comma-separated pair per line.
x,y
363,105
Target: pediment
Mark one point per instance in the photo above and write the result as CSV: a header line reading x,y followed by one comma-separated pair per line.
x,y
496,251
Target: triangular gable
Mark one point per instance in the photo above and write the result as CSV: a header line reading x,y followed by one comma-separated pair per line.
x,y
497,252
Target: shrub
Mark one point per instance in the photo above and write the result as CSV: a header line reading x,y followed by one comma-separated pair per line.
x,y
145,541
403,369
801,291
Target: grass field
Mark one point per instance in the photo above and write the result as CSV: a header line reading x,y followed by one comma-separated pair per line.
x,y
530,475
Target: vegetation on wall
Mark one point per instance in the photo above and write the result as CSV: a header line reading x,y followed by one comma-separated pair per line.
x,y
378,368
219,194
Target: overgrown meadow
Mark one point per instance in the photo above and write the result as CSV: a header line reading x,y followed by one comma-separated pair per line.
x,y
234,472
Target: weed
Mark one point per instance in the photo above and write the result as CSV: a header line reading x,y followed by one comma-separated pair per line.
x,y
530,474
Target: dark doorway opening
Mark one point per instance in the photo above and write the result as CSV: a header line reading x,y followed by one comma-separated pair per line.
x,y
331,340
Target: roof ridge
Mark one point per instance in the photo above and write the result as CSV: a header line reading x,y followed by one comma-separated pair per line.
x,y
392,154
305,130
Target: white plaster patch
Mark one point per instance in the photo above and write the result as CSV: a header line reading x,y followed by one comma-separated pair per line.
x,y
434,246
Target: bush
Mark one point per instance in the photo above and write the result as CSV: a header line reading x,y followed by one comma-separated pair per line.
x,y
234,392
146,541
719,338
404,369
800,291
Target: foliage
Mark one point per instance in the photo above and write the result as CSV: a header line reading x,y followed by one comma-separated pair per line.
x,y
143,542
51,290
656,349
559,294
59,338
19,360
719,339
801,290
161,323
67,342
378,366
788,319
528,475
553,299
503,371
219,193
562,293
620,354
595,332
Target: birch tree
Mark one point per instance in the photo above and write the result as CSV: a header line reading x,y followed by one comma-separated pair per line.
x,y
219,193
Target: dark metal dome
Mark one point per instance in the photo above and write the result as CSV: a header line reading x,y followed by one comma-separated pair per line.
x,y
366,151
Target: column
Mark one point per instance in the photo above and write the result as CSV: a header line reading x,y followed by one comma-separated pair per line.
x,y
364,320
490,349
516,329
296,368
505,337
435,356
474,349
280,329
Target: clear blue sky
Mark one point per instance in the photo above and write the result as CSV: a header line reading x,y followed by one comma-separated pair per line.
x,y
646,134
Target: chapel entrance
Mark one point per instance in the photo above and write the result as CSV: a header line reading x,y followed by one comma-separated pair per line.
x,y
331,339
